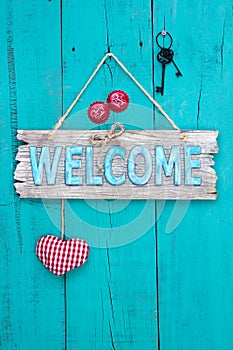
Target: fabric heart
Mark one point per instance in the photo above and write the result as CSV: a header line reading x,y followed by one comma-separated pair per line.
x,y
60,256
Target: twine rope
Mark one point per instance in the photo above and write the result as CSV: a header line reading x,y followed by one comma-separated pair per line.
x,y
155,103
97,140
109,54
63,219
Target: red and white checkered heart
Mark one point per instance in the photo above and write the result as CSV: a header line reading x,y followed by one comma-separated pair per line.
x,y
60,256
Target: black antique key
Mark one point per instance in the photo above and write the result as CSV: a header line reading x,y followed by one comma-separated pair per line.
x,y
165,56
161,88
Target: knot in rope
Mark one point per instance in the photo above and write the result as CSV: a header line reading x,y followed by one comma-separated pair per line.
x,y
97,140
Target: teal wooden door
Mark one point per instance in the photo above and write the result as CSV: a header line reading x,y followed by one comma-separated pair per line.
x,y
159,275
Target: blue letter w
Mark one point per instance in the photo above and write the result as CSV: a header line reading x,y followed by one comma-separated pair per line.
x,y
44,163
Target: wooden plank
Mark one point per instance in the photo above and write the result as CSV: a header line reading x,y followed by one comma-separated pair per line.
x,y
195,260
136,170
31,298
115,292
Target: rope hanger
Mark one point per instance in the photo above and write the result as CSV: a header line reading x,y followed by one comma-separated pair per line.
x,y
155,103
72,105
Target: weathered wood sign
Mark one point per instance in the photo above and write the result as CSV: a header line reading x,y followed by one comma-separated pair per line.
x,y
140,164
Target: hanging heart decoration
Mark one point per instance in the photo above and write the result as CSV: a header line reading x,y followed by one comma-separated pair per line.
x,y
60,256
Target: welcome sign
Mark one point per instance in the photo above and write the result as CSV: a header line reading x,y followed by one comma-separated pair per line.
x,y
139,164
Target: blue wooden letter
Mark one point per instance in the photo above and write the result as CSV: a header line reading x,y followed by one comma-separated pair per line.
x,y
111,153
44,163
173,162
90,179
131,165
189,164
71,164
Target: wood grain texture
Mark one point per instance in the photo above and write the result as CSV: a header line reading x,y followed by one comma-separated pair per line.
x,y
31,300
149,139
120,303
195,258
141,287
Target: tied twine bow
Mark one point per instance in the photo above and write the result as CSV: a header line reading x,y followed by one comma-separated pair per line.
x,y
97,140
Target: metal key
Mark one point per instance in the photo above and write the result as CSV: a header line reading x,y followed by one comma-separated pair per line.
x,y
160,89
165,56
168,55
178,73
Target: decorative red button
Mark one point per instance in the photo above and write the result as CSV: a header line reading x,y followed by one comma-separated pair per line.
x,y
98,112
118,101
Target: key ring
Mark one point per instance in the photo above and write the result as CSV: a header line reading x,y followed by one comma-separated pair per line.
x,y
165,56
163,33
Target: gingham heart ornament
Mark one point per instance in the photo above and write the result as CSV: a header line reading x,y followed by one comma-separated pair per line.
x,y
60,256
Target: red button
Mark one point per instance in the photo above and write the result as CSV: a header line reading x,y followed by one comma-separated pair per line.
x,y
98,112
118,101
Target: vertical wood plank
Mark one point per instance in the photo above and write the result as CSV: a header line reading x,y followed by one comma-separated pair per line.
x,y
111,300
195,260
32,299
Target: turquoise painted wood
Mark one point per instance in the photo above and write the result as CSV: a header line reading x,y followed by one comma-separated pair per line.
x,y
151,284
32,302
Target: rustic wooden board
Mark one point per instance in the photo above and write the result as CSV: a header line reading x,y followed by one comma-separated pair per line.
x,y
155,186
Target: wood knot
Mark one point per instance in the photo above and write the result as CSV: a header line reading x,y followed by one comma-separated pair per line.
x,y
183,136
50,135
